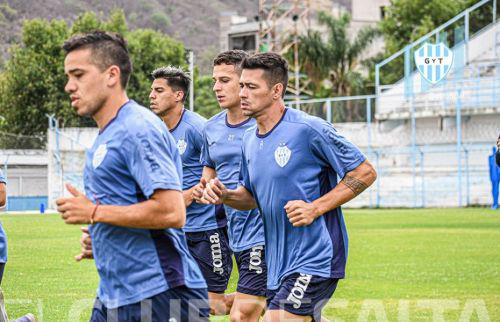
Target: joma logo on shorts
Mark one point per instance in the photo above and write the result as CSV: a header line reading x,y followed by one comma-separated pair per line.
x,y
299,289
216,253
256,259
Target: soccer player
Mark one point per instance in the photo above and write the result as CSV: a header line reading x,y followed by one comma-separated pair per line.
x,y
221,156
289,170
206,225
3,237
498,151
133,200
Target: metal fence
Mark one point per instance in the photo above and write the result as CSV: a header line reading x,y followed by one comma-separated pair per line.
x,y
429,144
429,150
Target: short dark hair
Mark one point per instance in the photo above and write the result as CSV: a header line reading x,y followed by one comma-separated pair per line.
x,y
231,57
275,68
107,48
176,78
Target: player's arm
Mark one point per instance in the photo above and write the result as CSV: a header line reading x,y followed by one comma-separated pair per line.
x,y
354,182
3,194
164,209
240,198
187,195
498,152
207,175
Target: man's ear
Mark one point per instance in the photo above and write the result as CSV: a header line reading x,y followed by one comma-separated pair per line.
x,y
114,74
179,96
278,91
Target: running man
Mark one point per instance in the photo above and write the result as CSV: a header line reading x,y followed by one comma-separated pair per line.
x,y
206,225
133,194
289,170
221,156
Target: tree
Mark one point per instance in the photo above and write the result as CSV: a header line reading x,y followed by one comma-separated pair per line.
x,y
32,84
205,102
33,81
407,20
150,49
333,63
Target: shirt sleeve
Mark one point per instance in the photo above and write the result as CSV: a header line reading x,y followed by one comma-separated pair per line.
x,y
2,177
244,179
205,158
153,160
333,150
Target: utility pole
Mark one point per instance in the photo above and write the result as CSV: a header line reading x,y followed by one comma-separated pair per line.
x,y
276,34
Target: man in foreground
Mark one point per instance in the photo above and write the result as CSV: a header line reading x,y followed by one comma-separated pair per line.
x,y
205,227
289,171
133,200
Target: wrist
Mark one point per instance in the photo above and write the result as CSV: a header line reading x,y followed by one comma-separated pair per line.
x,y
93,215
318,210
225,196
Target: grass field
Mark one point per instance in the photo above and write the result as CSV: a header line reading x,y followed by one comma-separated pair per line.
x,y
404,265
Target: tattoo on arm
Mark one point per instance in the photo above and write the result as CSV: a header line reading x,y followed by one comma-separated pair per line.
x,y
357,186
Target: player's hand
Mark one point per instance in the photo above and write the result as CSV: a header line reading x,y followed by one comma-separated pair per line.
x,y
215,192
86,244
77,209
301,213
198,192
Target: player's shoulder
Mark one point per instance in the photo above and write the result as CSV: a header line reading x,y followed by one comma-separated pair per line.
x,y
216,121
217,118
305,122
251,130
193,121
136,120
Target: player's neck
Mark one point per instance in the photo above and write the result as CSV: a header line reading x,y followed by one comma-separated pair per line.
x,y
109,109
235,115
173,116
268,120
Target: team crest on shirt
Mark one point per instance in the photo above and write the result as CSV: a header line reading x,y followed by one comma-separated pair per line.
x,y
181,146
282,155
99,155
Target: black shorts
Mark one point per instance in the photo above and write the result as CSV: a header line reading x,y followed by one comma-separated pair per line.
x,y
252,271
211,251
179,304
302,294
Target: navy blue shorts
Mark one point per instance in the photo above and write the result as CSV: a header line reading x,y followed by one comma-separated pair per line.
x,y
252,271
211,251
302,294
2,268
179,304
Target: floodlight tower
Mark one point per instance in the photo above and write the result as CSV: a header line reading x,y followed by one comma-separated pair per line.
x,y
280,24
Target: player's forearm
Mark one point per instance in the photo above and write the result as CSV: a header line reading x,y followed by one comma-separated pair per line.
x,y
3,195
353,184
156,213
240,198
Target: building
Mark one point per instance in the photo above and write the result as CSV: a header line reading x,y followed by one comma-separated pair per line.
x,y
241,32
